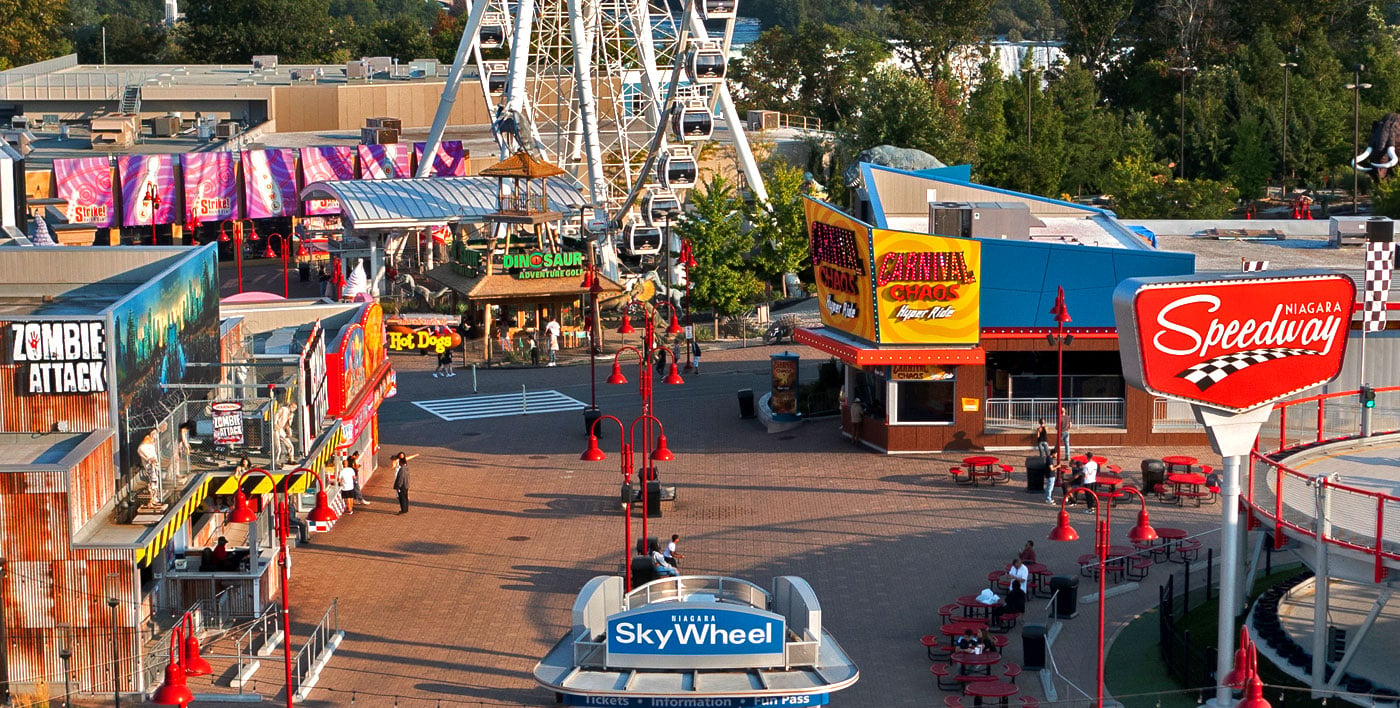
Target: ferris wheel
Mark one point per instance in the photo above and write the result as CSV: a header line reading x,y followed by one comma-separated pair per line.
x,y
651,82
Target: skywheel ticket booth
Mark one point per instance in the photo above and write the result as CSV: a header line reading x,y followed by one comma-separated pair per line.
x,y
696,641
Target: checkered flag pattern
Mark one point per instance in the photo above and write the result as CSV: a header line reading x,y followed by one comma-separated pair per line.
x,y
1380,260
1210,373
1252,266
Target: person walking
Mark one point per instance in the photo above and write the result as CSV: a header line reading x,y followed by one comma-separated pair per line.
x,y
534,348
401,479
857,417
346,480
551,335
695,355
671,555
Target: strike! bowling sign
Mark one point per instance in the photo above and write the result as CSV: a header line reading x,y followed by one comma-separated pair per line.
x,y
1233,342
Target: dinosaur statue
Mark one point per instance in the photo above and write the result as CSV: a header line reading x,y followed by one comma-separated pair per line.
x,y
406,283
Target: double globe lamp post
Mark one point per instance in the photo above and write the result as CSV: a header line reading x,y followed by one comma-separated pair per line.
x,y
174,691
1103,511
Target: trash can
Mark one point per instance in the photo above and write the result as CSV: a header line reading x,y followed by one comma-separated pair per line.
x,y
1033,647
746,403
1067,599
1036,469
654,499
589,416
1154,472
304,272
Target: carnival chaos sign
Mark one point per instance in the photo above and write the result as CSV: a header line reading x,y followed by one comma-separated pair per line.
x,y
927,288
1234,343
60,357
840,248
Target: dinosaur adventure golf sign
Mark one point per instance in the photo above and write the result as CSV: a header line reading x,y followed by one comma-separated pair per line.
x,y
1233,343
538,264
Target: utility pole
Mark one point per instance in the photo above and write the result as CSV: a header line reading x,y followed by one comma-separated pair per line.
x,y
4,644
1184,71
1287,66
1355,87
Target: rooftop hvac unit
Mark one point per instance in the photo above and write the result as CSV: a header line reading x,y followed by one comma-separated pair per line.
x,y
355,70
265,62
422,68
1004,220
379,136
165,126
226,129
391,123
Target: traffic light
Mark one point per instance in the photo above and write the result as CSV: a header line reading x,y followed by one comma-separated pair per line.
x,y
1368,397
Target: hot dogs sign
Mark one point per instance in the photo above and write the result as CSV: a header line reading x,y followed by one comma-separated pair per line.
x,y
1233,343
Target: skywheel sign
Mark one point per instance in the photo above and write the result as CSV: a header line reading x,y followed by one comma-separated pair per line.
x,y
687,635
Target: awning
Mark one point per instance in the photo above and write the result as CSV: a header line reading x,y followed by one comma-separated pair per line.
x,y
433,201
155,540
852,352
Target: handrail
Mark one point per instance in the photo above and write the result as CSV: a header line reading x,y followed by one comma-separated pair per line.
x,y
1268,503
321,637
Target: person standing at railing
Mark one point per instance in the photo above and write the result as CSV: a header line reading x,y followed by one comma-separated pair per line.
x,y
1065,425
1042,441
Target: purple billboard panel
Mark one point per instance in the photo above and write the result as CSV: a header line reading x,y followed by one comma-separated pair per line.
x,y
383,161
326,164
450,161
148,189
211,186
86,184
270,182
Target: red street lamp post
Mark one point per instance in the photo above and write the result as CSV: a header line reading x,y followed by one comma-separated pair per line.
x,y
688,261
1103,512
595,454
235,234
243,513
153,198
1059,340
645,386
1245,675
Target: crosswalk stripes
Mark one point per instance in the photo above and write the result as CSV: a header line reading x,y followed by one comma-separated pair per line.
x,y
497,406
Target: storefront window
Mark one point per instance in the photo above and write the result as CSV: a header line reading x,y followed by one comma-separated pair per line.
x,y
925,401
869,387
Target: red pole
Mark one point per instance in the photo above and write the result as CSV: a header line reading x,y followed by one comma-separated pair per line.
x,y
1060,391
627,510
286,610
238,253
1102,537
286,283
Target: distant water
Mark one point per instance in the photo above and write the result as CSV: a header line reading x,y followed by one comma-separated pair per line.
x,y
746,31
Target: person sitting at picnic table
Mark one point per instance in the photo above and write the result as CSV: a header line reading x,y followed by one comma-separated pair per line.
x,y
1019,571
1027,554
1015,601
985,642
967,642
658,562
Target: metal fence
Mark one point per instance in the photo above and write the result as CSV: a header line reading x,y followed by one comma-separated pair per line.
x,y
323,640
256,641
209,614
1082,412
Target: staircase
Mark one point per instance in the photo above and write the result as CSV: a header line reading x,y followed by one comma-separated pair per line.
x,y
131,100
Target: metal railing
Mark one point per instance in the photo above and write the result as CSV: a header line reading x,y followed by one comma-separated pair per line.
x,y
1173,416
254,642
1082,412
323,639
788,120
208,613
1363,520
678,588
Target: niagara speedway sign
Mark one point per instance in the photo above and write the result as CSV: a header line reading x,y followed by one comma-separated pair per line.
x,y
1236,342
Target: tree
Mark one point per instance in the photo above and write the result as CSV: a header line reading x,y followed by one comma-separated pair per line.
x,y
446,33
1143,190
128,41
1091,29
234,30
902,110
1251,161
816,72
31,31
722,279
401,37
780,223
927,31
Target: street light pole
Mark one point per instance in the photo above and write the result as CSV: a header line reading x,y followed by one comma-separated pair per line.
x,y
1184,71
1355,87
116,657
1060,339
1287,66
1103,512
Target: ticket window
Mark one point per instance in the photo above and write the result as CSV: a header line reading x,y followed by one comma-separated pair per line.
x,y
930,402
871,386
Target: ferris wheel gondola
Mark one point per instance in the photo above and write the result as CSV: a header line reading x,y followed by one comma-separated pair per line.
x,y
493,31
706,63
676,169
693,122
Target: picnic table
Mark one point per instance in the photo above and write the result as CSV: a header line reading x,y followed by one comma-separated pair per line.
x,y
1182,463
968,661
991,689
1180,481
973,608
983,467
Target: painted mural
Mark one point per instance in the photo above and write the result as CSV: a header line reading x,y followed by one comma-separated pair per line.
x,y
160,332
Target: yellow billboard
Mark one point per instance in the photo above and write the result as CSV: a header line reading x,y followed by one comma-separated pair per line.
x,y
927,288
840,249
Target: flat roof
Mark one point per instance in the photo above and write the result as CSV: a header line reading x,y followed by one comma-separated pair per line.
x,y
1080,231
74,280
38,448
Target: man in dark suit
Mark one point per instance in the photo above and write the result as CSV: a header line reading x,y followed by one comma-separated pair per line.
x,y
401,479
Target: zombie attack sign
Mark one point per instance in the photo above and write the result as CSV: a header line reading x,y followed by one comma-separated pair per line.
x,y
60,357
1234,343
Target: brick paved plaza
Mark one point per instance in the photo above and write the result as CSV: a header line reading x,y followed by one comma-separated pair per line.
x,y
454,603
